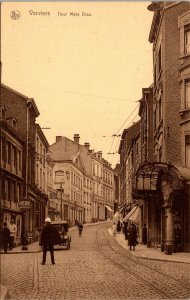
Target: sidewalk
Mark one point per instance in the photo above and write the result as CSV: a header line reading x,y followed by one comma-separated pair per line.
x,y
143,251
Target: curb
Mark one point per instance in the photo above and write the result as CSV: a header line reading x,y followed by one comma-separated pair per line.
x,y
148,257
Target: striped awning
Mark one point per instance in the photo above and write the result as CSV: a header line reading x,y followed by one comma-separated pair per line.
x,y
133,215
109,208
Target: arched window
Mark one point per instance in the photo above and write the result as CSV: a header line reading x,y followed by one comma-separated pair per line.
x,y
59,176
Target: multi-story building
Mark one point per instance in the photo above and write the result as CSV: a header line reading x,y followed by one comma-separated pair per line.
x,y
164,180
41,147
129,153
12,180
25,112
85,177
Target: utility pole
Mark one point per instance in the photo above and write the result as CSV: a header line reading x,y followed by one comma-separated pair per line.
x,y
61,202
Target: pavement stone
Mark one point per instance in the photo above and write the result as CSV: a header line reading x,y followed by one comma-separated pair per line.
x,y
87,270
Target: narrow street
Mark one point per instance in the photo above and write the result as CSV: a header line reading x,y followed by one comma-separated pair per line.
x,y
96,267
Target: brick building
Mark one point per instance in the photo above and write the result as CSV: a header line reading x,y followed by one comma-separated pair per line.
x,y
25,112
11,181
164,181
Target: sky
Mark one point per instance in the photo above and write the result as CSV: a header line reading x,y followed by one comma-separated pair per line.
x,y
85,72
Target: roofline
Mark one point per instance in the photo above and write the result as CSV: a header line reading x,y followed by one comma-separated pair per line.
x,y
42,135
29,100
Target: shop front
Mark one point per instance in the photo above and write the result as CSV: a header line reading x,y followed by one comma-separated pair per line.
x,y
161,188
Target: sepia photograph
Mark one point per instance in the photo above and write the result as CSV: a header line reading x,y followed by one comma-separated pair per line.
x,y
95,150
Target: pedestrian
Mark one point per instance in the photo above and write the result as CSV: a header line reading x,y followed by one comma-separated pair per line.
x,y
144,235
13,231
125,229
24,236
80,228
177,232
132,237
49,238
5,235
118,226
114,229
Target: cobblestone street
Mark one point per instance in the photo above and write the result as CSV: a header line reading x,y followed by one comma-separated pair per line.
x,y
83,272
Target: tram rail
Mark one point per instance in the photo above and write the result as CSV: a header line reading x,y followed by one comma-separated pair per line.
x,y
104,242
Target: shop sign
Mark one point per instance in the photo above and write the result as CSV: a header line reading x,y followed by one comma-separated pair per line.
x,y
25,204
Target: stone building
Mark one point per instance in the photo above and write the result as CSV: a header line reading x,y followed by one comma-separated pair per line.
x,y
85,177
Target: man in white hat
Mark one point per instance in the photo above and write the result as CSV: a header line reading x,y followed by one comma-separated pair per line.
x,y
49,238
13,231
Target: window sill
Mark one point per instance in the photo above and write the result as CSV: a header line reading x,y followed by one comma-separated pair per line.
x,y
183,111
184,55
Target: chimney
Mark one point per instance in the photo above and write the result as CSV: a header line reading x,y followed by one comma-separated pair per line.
x,y
87,146
76,138
99,154
58,138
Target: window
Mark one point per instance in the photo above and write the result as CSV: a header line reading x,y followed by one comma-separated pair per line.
x,y
160,109
159,61
160,154
187,93
187,151
154,120
14,156
8,153
4,149
187,39
19,160
59,176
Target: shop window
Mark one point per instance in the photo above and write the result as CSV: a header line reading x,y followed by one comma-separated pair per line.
x,y
187,151
187,93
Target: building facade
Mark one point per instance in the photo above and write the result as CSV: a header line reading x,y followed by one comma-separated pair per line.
x,y
163,179
12,181
33,202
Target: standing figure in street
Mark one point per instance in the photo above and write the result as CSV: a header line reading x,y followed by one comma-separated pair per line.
x,y
125,229
132,238
5,235
49,238
118,226
114,227
13,231
80,228
144,235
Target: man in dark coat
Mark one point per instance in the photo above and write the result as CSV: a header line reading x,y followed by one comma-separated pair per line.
x,y
5,237
132,237
49,238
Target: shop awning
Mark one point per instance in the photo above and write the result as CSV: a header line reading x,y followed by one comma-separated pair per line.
x,y
108,208
133,215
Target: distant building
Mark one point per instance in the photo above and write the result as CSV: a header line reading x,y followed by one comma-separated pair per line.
x,y
85,177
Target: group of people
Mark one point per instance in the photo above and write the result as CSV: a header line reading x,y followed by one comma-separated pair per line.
x,y
8,235
130,232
